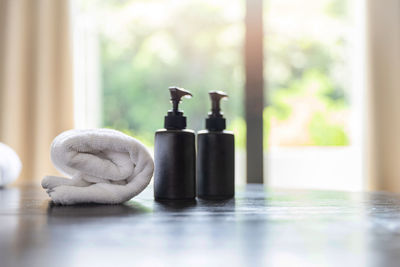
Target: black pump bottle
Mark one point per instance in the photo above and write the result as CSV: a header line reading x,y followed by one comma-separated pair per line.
x,y
215,155
175,154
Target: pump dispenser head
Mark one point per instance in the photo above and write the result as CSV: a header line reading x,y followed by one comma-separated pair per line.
x,y
215,120
175,119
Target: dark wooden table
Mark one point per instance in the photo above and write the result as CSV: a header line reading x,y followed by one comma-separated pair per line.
x,y
258,228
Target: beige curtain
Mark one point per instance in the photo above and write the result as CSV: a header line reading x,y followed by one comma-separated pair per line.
x,y
36,98
383,38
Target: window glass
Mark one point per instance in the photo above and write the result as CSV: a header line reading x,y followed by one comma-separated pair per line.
x,y
147,46
128,52
308,73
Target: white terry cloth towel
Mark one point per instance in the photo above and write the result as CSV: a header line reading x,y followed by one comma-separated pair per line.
x,y
106,166
10,165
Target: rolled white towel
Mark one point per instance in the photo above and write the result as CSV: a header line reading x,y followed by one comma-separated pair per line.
x,y
106,167
10,165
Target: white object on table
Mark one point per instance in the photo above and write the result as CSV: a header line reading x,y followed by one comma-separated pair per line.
x,y
106,167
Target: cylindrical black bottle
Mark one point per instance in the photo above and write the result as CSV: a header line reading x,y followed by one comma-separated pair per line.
x,y
215,156
175,155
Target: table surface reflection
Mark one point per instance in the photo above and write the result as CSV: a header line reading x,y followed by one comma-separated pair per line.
x,y
258,228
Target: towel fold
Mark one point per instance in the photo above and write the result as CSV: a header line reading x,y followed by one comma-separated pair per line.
x,y
106,167
10,165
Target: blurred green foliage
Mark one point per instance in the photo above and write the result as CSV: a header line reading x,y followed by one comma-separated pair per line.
x,y
190,49
307,68
147,46
324,133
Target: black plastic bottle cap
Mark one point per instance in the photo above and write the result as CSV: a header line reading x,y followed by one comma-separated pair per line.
x,y
215,120
175,119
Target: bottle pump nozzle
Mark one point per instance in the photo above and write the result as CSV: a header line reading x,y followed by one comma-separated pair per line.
x,y
175,119
215,120
176,95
